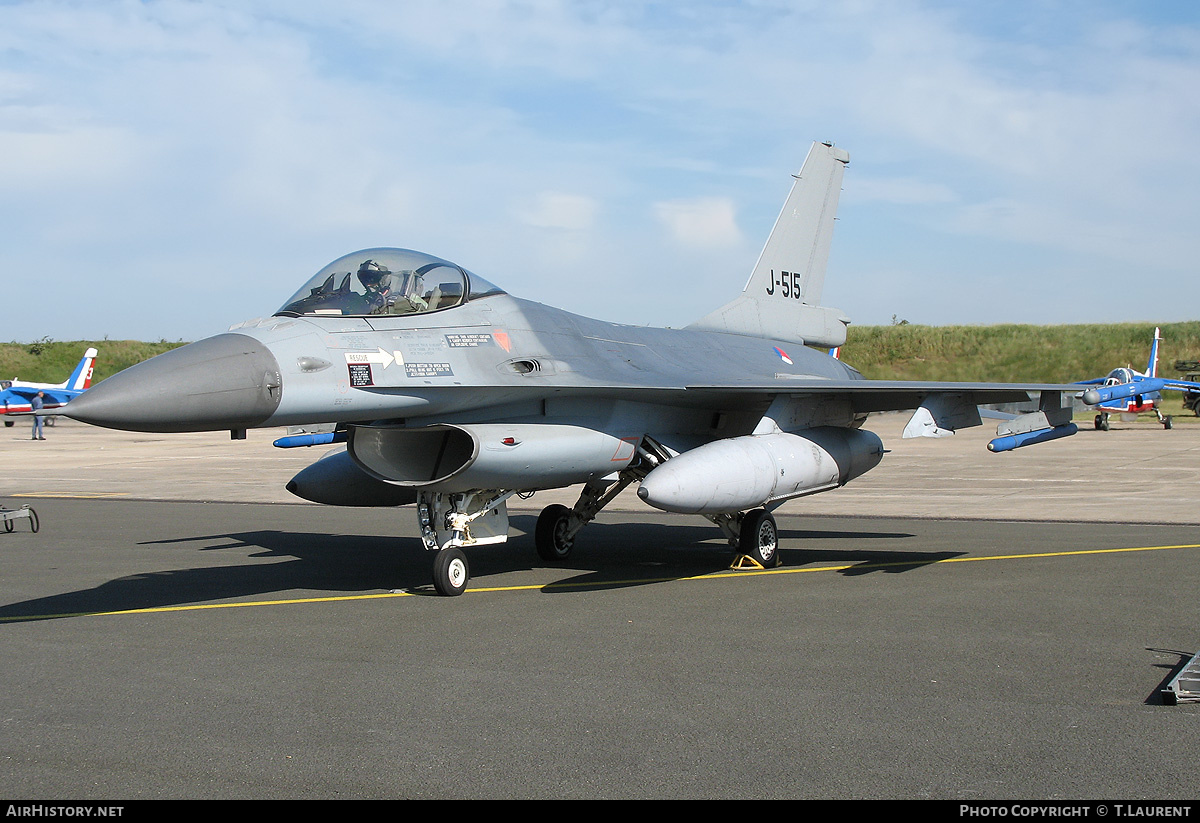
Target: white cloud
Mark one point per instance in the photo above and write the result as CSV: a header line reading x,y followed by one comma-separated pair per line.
x,y
900,191
221,139
555,210
705,222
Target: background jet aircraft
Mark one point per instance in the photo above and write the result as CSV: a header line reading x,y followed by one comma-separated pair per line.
x,y
443,390
1129,393
17,395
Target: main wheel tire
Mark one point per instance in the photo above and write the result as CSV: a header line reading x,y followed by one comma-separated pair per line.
x,y
1167,422
450,572
551,538
759,537
1097,422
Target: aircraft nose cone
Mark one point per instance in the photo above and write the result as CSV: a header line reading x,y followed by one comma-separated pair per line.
x,y
230,381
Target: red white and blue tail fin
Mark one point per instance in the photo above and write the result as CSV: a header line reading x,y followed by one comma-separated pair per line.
x,y
81,378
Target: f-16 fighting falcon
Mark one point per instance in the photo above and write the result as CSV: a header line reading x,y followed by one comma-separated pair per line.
x,y
441,389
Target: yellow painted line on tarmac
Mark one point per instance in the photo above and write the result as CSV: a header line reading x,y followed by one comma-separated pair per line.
x,y
601,584
203,606
71,495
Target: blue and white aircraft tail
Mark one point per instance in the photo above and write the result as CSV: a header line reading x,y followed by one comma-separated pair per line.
x,y
16,396
1128,392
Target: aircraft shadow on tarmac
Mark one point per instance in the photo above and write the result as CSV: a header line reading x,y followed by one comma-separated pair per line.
x,y
609,556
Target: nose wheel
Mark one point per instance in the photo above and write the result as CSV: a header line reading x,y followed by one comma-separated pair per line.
x,y
450,572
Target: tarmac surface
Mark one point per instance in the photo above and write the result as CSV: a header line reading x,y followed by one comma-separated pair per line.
x,y
953,625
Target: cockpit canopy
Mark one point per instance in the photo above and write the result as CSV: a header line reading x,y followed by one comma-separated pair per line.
x,y
386,282
1119,377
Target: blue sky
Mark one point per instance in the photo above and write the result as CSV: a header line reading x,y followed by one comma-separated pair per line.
x,y
168,169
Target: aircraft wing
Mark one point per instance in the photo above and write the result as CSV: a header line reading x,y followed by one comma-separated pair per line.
x,y
892,395
865,395
27,392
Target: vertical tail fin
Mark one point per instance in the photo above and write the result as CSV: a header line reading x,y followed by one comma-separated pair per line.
x,y
81,378
1152,366
782,298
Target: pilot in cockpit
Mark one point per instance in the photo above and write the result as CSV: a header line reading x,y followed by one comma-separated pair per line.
x,y
377,280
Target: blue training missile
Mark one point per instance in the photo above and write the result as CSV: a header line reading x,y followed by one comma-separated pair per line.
x,y
1016,441
319,439
1106,393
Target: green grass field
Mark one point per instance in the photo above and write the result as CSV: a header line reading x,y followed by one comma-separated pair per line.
x,y
1017,353
48,361
1008,353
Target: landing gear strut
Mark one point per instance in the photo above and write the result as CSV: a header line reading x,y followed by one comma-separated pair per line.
x,y
557,525
450,521
753,535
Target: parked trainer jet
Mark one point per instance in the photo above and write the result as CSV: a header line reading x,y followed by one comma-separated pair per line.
x,y
443,390
1128,392
17,395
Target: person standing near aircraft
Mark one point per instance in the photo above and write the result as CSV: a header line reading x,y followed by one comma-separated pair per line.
x,y
36,404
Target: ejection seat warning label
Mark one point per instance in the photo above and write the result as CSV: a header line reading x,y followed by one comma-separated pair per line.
x,y
468,341
428,370
360,374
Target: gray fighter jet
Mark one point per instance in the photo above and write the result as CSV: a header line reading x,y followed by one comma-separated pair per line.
x,y
441,389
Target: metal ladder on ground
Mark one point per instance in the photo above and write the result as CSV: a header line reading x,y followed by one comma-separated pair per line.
x,y
1185,686
10,516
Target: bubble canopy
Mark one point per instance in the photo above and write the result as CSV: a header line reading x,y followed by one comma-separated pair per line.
x,y
386,282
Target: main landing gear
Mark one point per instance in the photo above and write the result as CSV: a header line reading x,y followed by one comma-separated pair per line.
x,y
1101,421
450,522
557,525
753,535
